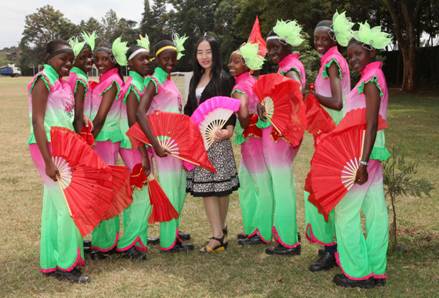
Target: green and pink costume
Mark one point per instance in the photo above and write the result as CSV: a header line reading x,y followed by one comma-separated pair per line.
x,y
77,76
255,196
60,243
279,155
171,175
358,256
105,235
135,217
319,231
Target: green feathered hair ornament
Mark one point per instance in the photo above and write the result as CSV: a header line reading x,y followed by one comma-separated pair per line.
x,y
143,42
179,44
249,52
342,28
289,31
76,45
372,37
119,50
90,39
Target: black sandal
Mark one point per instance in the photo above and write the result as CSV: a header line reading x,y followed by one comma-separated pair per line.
x,y
216,249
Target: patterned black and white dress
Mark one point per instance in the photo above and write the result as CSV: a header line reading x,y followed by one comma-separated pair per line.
x,y
201,182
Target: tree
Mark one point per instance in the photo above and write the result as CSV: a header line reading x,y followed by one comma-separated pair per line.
x,y
400,180
155,21
44,25
405,15
91,25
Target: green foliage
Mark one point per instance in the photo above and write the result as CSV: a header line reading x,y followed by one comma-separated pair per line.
x,y
400,180
400,177
41,27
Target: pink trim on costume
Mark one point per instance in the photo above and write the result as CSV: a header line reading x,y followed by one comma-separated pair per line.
x,y
106,249
380,276
170,247
256,232
142,247
337,259
79,262
313,239
279,240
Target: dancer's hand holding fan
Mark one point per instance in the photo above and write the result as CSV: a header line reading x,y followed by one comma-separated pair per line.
x,y
177,134
336,161
212,115
283,104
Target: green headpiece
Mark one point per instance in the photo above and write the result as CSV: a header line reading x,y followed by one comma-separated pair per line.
x,y
76,45
90,39
119,50
372,37
342,28
289,31
249,52
179,44
143,42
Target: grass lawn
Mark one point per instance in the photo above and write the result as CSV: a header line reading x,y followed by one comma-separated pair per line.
x,y
414,272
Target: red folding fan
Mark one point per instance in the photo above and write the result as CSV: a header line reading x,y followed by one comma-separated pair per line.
x,y
162,209
334,167
317,118
122,192
84,179
283,104
177,134
357,117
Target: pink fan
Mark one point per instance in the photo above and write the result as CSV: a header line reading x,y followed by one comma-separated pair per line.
x,y
212,115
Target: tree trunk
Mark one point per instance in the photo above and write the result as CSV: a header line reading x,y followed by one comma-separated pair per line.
x,y
404,19
409,63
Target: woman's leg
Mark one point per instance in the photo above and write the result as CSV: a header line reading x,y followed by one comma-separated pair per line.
x,y
224,208
213,213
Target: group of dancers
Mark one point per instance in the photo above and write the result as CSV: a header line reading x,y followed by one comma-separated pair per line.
x,y
265,178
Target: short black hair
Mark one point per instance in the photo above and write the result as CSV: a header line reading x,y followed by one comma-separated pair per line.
x,y
161,44
53,45
324,23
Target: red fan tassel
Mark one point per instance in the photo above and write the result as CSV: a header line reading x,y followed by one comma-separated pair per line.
x,y
162,209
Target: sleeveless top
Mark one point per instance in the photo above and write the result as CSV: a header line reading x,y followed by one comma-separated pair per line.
x,y
60,102
135,84
356,99
291,62
244,85
111,128
168,97
323,84
77,76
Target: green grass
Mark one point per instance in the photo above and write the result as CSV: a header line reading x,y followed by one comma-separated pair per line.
x,y
414,121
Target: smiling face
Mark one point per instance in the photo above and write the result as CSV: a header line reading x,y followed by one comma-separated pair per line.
x,y
322,40
167,60
141,64
359,56
104,61
277,50
204,55
84,60
62,63
236,64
